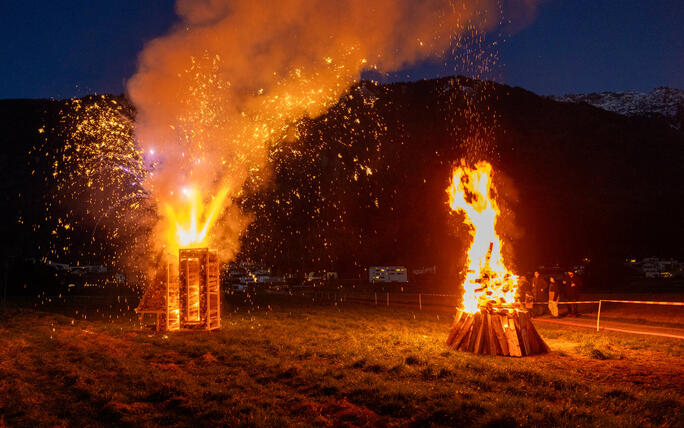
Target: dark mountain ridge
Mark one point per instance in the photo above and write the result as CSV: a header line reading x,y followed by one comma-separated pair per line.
x,y
365,183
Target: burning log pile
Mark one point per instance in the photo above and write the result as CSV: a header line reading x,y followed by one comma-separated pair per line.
x,y
490,322
496,331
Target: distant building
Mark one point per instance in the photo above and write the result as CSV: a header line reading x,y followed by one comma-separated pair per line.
x,y
246,273
60,266
88,269
387,274
654,267
321,276
431,270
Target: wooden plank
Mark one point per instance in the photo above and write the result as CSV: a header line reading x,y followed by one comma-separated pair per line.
x,y
534,343
479,340
514,318
459,320
500,335
477,327
539,344
521,324
491,338
463,330
511,337
467,332
455,328
543,347
466,340
457,317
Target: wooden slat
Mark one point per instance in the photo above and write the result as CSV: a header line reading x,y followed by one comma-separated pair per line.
x,y
500,335
521,327
512,338
457,318
476,330
455,328
491,338
535,340
531,338
481,335
465,324
468,331
543,348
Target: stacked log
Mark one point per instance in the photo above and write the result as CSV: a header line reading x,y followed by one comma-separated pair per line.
x,y
496,332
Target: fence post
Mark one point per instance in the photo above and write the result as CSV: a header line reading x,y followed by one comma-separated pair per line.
x,y
388,299
420,301
376,298
598,316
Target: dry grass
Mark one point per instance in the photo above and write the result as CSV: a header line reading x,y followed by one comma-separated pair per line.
x,y
300,364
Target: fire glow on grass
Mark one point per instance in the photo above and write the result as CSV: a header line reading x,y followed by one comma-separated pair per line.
x,y
487,281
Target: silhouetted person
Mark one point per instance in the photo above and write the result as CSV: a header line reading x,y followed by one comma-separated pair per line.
x,y
573,285
554,296
540,291
525,292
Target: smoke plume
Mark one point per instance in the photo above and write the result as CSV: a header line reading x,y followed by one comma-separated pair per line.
x,y
232,79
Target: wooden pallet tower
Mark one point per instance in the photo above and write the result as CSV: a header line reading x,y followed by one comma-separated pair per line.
x,y
492,331
199,289
186,295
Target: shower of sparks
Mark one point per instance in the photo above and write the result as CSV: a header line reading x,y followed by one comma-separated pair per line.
x,y
299,159
92,170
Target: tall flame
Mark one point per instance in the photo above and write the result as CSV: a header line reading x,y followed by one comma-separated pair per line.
x,y
189,222
487,280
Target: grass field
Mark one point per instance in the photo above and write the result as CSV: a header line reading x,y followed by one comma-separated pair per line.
x,y
292,363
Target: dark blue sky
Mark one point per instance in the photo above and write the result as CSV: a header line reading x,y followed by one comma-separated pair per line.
x,y
70,48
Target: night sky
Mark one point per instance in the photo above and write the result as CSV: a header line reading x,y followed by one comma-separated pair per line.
x,y
72,48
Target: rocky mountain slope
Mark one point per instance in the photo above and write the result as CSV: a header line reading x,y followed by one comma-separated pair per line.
x,y
664,102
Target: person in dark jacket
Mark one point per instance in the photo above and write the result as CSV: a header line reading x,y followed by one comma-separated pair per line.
x,y
525,292
573,283
540,291
554,296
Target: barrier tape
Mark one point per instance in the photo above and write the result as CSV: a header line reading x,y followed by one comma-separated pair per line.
x,y
646,302
562,303
437,295
648,333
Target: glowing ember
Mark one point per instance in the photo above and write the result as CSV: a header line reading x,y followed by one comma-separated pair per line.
x,y
487,281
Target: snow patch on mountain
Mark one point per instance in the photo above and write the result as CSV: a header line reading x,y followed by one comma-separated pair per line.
x,y
668,102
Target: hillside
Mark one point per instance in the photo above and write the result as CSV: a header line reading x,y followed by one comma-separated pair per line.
x,y
664,102
578,181
364,184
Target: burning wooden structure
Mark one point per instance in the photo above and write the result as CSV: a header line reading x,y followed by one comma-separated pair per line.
x,y
490,322
186,295
493,331
498,327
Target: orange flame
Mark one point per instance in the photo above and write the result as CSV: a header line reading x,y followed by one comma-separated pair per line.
x,y
487,280
190,221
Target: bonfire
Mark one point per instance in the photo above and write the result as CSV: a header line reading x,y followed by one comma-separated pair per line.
x,y
186,295
490,320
